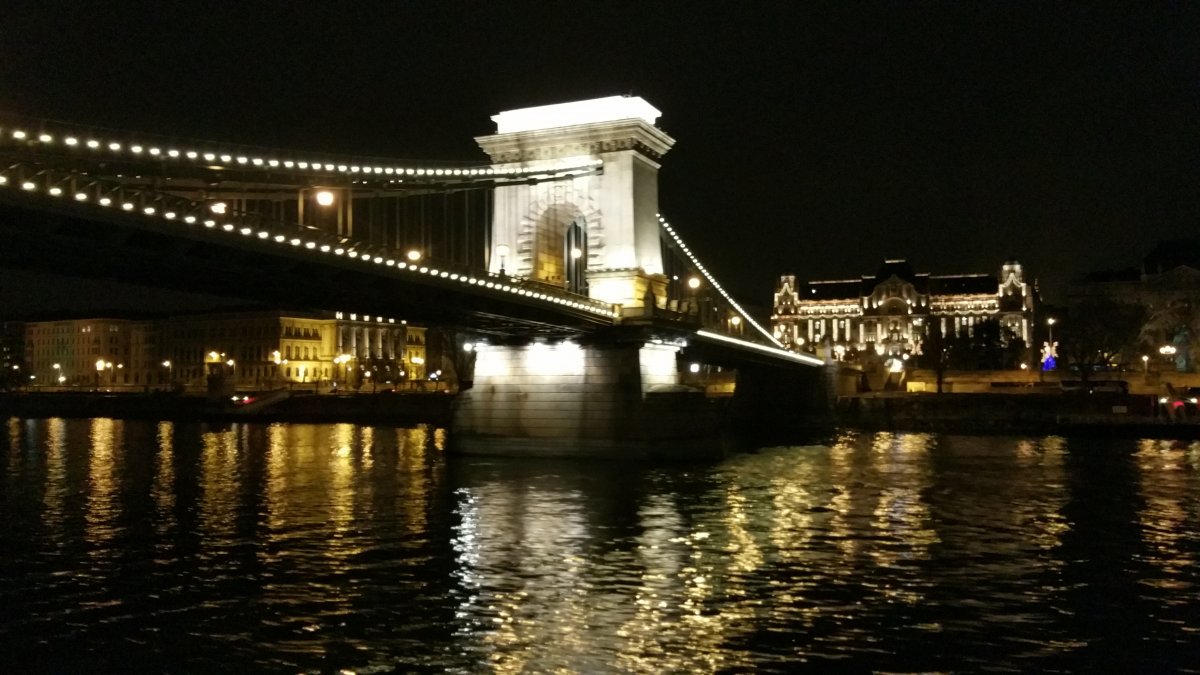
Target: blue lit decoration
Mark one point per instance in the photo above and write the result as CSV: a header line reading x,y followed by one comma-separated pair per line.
x,y
1049,355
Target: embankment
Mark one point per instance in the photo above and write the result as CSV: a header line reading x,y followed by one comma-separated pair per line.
x,y
383,408
1064,414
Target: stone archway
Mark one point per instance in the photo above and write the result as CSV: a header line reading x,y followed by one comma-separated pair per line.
x,y
546,237
575,254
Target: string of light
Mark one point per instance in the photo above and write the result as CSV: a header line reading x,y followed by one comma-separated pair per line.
x,y
270,160
179,210
713,282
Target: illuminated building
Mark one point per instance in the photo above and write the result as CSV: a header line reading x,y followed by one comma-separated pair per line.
x,y
12,354
95,352
892,310
250,349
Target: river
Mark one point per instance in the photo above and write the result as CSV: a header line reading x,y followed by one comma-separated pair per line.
x,y
167,547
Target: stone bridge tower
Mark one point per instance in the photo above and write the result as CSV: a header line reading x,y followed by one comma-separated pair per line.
x,y
596,234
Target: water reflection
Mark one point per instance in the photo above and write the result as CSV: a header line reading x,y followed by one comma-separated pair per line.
x,y
318,548
1169,482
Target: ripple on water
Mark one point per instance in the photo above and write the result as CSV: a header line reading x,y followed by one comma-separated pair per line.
x,y
314,548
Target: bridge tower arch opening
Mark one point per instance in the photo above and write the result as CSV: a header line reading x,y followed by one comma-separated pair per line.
x,y
557,252
575,250
605,211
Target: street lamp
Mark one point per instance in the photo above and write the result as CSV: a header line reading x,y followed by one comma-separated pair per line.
x,y
502,251
1050,322
1168,351
693,283
341,360
325,198
1145,363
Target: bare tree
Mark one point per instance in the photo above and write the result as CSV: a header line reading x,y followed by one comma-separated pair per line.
x,y
1176,322
1100,332
454,350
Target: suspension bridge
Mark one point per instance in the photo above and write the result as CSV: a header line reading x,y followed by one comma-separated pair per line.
x,y
554,248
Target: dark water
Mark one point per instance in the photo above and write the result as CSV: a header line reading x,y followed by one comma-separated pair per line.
x,y
142,547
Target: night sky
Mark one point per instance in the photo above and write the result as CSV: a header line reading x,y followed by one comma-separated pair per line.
x,y
814,140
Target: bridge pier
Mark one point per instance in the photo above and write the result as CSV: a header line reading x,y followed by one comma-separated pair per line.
x,y
613,398
780,405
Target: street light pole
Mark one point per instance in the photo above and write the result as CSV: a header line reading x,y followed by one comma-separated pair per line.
x,y
502,251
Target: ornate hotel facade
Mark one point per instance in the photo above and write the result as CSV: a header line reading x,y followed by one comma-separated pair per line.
x,y
893,310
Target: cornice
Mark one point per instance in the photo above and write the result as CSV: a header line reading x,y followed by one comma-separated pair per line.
x,y
574,141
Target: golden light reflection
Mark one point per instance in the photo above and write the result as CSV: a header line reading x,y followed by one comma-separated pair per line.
x,y
791,513
1043,500
340,496
900,514
1169,487
411,459
102,505
657,596
742,548
55,495
14,435
844,483
164,477
276,462
367,458
525,596
218,482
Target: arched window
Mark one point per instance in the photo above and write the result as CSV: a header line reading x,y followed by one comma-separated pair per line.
x,y
575,255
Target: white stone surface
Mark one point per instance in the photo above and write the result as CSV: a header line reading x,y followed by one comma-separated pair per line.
x,y
607,109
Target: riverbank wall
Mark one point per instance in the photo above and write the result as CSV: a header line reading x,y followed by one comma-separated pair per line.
x,y
301,407
1000,413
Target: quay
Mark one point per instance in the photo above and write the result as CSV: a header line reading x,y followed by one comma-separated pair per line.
x,y
1119,415
398,408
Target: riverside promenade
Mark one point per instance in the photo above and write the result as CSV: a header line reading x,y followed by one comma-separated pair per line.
x,y
1069,414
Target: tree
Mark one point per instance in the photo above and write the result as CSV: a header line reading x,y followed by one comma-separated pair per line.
x,y
11,378
454,351
1175,322
936,351
987,346
1098,332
